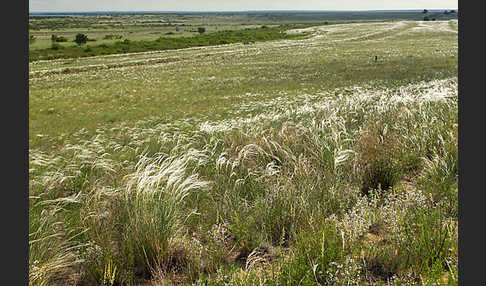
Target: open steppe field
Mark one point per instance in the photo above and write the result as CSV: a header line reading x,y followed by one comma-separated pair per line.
x,y
326,159
107,29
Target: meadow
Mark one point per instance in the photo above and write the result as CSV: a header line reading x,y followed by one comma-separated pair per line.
x,y
325,159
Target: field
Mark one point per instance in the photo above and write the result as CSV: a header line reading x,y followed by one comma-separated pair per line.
x,y
326,159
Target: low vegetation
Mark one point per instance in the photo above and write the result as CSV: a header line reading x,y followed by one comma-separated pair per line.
x,y
291,162
165,43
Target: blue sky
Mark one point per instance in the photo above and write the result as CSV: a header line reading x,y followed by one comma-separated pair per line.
x,y
228,5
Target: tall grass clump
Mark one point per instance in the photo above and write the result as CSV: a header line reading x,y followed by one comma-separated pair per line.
x,y
317,251
54,248
147,220
429,240
423,252
155,195
379,160
440,177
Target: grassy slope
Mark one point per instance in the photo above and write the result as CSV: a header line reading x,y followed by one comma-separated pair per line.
x,y
193,84
222,164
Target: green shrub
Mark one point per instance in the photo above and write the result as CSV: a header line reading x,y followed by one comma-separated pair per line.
x,y
112,36
80,39
58,39
56,47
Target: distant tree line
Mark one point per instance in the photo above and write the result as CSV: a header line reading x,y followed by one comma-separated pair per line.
x,y
246,36
427,18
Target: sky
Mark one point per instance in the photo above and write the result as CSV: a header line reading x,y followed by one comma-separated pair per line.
x,y
228,5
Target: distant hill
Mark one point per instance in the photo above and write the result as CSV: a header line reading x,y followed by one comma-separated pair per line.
x,y
355,12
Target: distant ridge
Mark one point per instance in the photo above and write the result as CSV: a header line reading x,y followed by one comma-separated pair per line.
x,y
72,13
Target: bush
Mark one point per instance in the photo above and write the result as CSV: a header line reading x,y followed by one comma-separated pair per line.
x,y
56,47
80,39
112,36
57,39
201,30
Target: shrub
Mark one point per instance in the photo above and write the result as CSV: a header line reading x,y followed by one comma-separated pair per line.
x,y
112,36
201,30
56,47
56,39
80,39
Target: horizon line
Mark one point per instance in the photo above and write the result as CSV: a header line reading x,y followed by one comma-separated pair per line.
x,y
239,11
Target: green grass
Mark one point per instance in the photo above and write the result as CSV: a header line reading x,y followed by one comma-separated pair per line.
x,y
165,43
281,162
179,96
